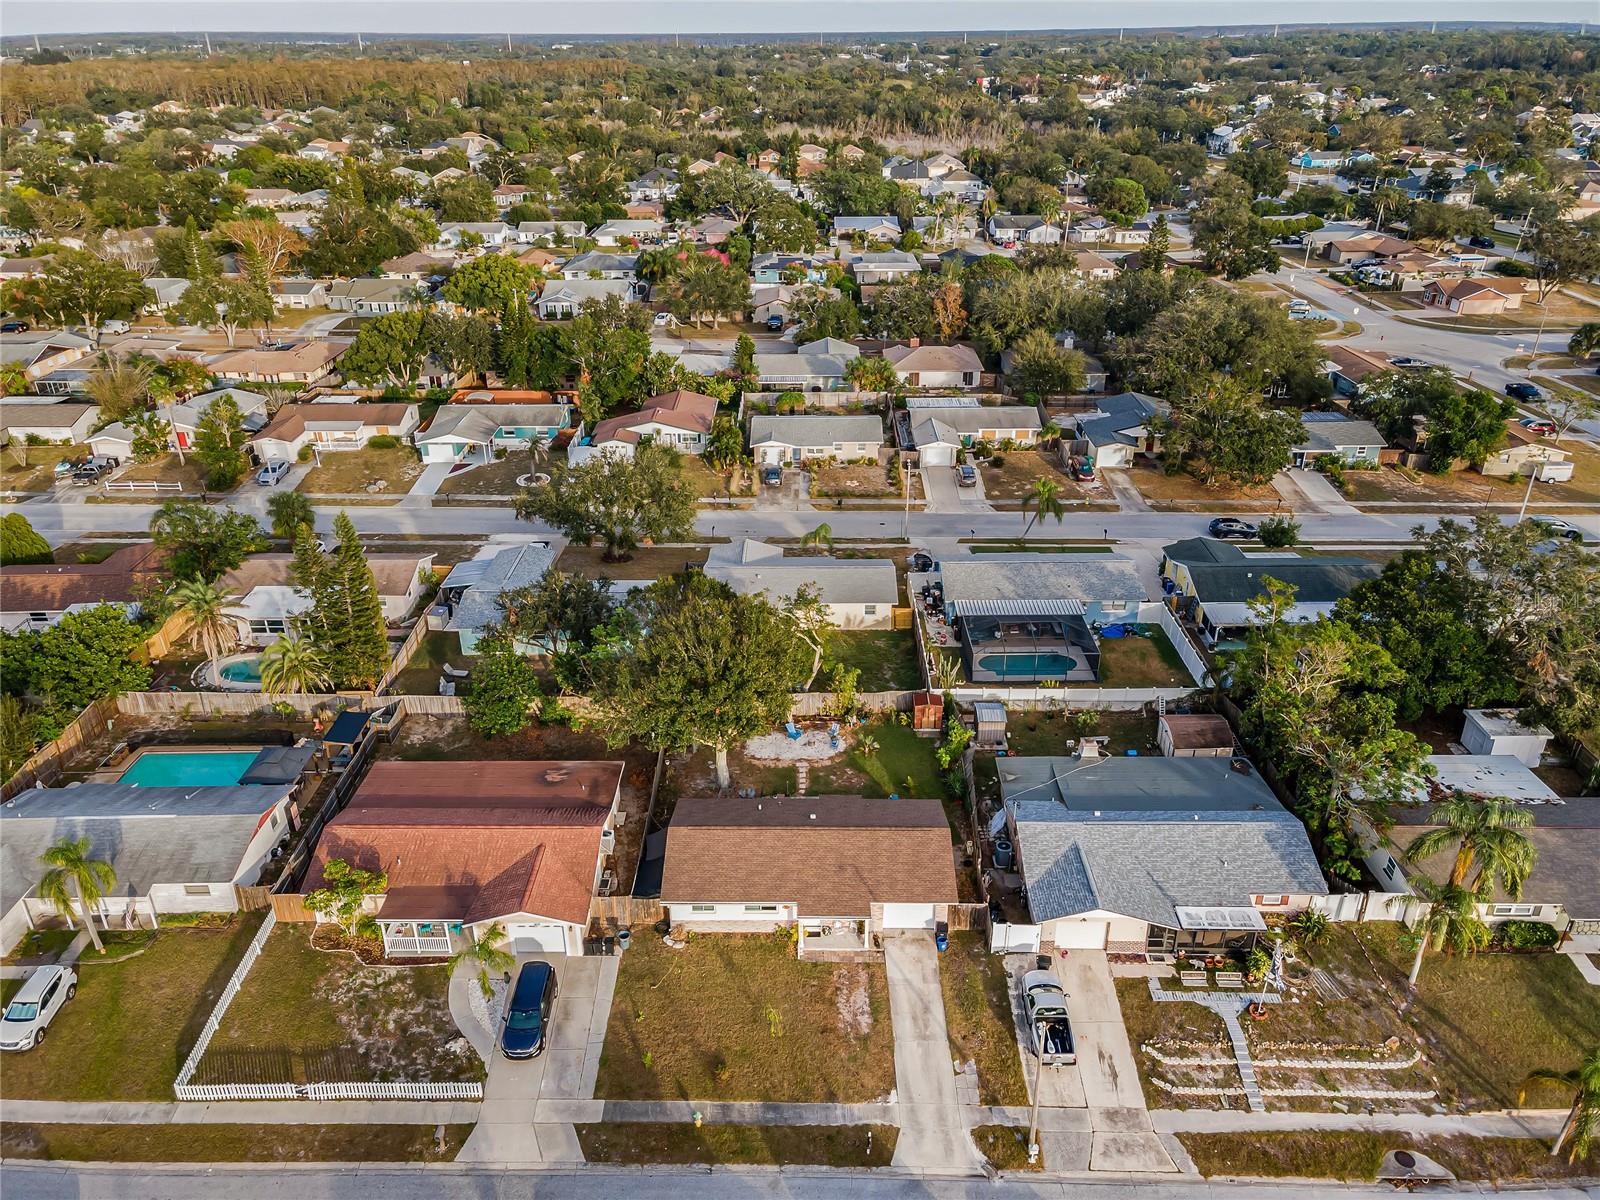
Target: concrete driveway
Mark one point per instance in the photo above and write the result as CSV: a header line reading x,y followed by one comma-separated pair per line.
x,y
523,1099
945,496
932,1131
793,494
1105,1079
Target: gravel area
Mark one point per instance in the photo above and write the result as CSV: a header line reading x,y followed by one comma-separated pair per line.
x,y
814,745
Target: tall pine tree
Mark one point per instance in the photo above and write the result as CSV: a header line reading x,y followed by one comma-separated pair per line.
x,y
366,650
512,350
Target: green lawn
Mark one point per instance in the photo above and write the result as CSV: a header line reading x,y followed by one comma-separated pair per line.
x,y
904,764
746,1145
305,1015
1033,732
44,945
234,1143
422,671
132,1022
886,658
1006,1147
1347,1154
740,1017
1142,662
977,1011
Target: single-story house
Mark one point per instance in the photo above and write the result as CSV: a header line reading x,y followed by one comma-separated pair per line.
x,y
40,352
805,438
858,593
845,870
416,267
1501,731
472,589
936,366
549,233
773,300
1092,265
1346,438
1474,296
884,267
1121,428
334,426
308,362
489,233
1525,452
596,264
680,419
1348,367
468,845
1194,735
566,297
115,441
174,849
299,293
166,293
943,425
1154,856
1491,776
373,297
1210,583
618,233
1008,229
806,371
268,600
866,229
1366,246
473,433
25,417
1025,618
37,595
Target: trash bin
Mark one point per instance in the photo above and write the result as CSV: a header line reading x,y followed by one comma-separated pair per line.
x,y
941,937
623,937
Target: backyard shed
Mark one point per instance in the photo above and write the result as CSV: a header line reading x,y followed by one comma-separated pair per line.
x,y
1501,731
991,718
927,712
1197,735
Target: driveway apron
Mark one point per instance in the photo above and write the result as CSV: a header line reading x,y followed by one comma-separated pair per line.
x,y
933,1133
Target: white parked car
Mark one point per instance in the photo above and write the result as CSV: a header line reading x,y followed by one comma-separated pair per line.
x,y
31,1010
116,327
271,473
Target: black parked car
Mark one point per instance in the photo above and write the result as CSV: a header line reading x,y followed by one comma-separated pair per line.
x,y
528,1011
1478,241
1522,391
772,476
15,327
1231,527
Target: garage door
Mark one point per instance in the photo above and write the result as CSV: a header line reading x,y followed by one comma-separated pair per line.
x,y
529,937
908,916
1081,935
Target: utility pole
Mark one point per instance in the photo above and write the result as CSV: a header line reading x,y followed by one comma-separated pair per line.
x,y
1033,1119
1523,232
207,37
1527,495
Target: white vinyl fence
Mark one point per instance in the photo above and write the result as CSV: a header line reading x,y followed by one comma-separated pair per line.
x,y
184,1090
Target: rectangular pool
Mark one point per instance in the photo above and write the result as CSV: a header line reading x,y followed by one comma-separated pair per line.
x,y
188,768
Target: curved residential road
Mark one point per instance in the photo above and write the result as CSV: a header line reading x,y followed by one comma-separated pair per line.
x,y
453,1182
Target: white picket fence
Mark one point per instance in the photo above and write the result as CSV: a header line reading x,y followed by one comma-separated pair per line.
x,y
252,952
184,1090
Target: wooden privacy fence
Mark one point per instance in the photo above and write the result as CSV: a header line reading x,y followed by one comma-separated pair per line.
x,y
626,910
290,907
44,767
408,648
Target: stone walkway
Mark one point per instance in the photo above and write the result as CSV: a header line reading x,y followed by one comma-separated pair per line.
x,y
1228,1006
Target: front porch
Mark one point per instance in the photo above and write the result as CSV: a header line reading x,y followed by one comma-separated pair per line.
x,y
842,940
431,939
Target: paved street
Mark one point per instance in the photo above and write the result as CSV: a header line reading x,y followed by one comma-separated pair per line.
x,y
450,1182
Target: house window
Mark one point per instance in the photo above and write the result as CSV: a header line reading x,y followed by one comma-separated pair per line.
x,y
1389,869
761,908
702,908
1513,910
269,625
871,610
197,889
1271,901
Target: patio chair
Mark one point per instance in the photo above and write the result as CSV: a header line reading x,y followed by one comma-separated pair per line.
x,y
792,730
1230,979
1192,978
454,672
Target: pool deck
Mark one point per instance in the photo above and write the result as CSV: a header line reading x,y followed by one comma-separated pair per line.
x,y
1081,672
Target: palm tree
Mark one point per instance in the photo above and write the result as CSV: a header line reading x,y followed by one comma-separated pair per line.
x,y
1450,922
73,874
1486,835
287,511
821,537
485,956
1583,1118
293,665
207,607
1045,500
121,385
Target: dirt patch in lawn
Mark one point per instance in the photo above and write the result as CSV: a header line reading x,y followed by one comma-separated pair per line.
x,y
1405,484
1344,1154
189,474
1183,491
36,471
859,479
647,562
745,1145
388,472
233,1143
1014,478
714,483
493,479
307,1016
740,1017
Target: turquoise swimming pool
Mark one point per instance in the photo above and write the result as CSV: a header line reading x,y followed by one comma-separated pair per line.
x,y
1029,666
242,670
188,768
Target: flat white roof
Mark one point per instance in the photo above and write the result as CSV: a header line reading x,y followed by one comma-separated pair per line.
x,y
1492,775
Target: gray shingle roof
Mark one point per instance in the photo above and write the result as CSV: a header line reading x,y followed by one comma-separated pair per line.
x,y
1334,431
1142,837
1120,413
815,430
750,567
983,578
1224,572
513,567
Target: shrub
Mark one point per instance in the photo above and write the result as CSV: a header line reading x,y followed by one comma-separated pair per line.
x,y
305,454
1278,532
384,441
1526,935
1515,268
1257,963
997,461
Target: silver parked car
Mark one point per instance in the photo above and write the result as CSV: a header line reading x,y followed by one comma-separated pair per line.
x,y
31,1010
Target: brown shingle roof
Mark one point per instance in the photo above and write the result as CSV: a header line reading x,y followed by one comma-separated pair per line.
x,y
307,356
291,420
680,409
393,573
50,587
933,358
832,855
476,841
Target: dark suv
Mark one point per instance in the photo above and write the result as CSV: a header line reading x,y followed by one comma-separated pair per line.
x,y
1232,527
529,1008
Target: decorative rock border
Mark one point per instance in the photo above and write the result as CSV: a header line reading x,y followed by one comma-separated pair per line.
x,y
1179,1089
1310,1064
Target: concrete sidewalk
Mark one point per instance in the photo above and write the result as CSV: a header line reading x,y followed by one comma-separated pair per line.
x,y
243,1112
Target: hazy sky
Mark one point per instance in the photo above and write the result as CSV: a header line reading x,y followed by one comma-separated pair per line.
x,y
537,17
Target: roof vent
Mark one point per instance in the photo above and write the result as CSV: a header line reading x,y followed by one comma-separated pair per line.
x,y
813,816
1241,765
556,775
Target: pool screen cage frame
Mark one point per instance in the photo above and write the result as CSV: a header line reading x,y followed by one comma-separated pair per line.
x,y
982,636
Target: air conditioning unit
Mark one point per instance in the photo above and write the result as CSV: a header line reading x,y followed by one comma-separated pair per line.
x,y
608,841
